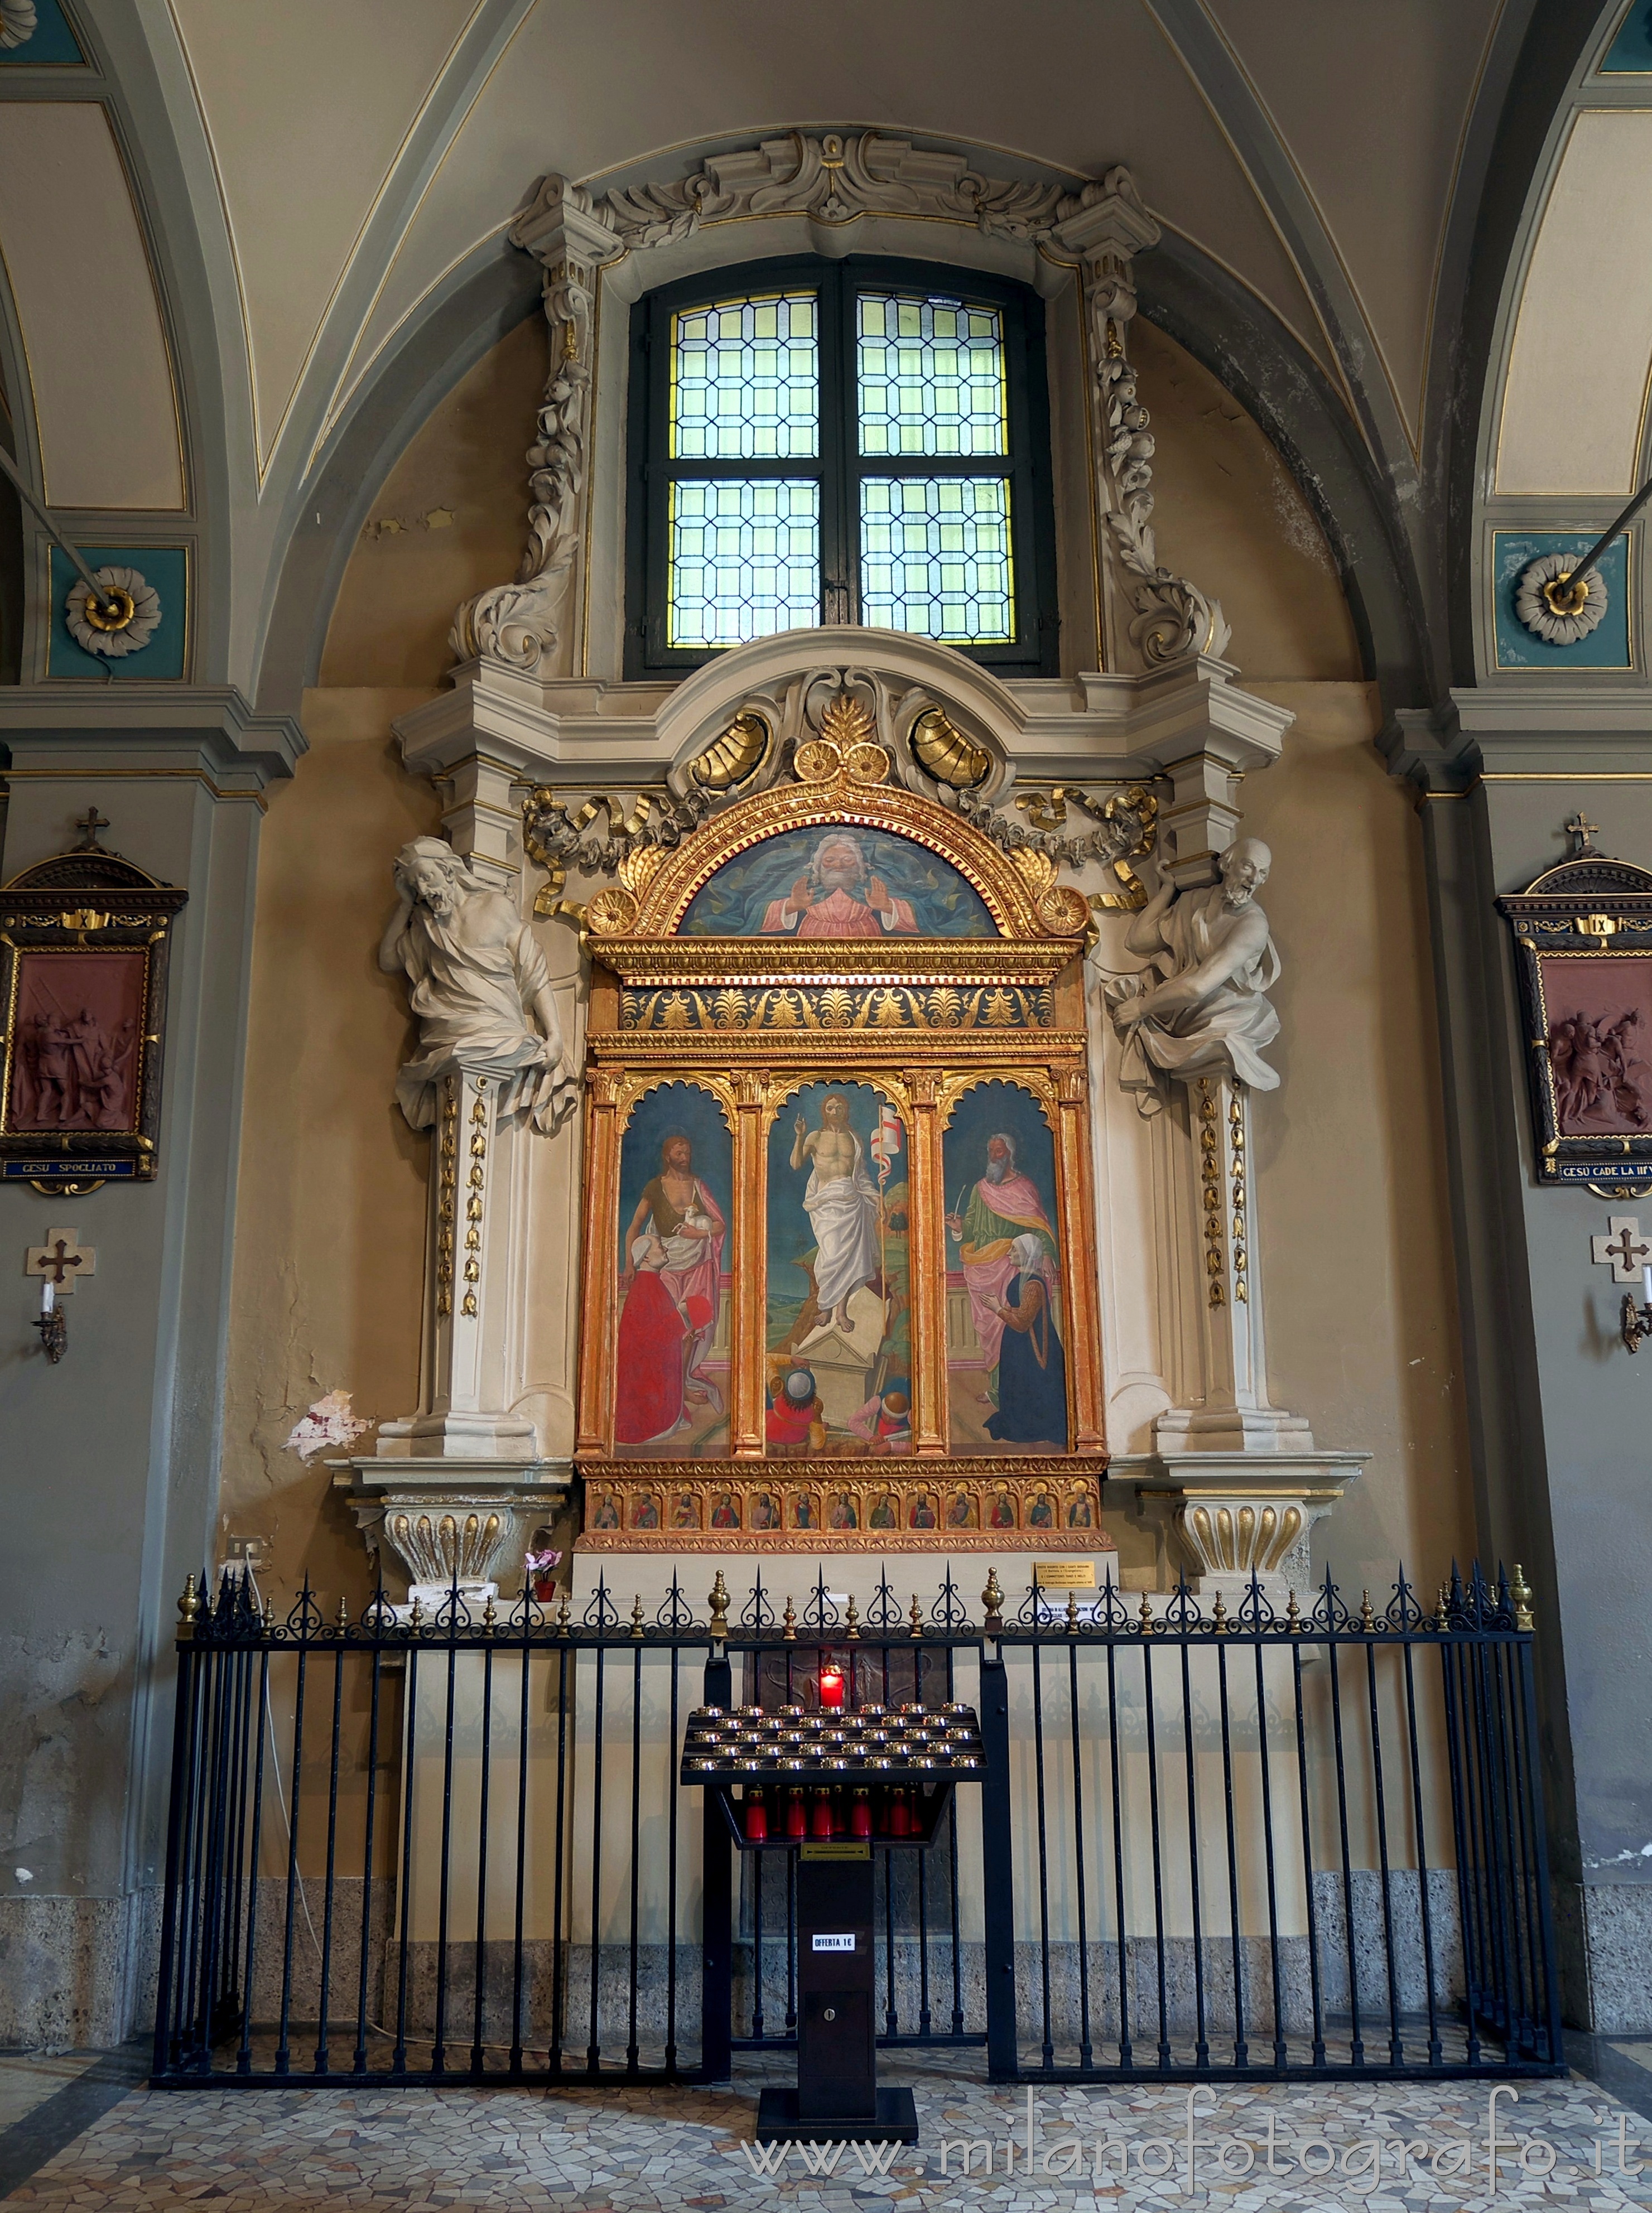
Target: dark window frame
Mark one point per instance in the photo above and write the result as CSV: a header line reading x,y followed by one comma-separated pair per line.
x,y
839,465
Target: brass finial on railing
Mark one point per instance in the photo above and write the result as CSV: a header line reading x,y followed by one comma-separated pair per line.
x,y
1145,1615
1366,1618
489,1614
1072,1613
992,1599
341,1620
852,1619
637,1616
416,1613
1521,1591
1293,1615
718,1602
790,1634
1219,1616
189,1607
1443,1611
562,1612
915,1618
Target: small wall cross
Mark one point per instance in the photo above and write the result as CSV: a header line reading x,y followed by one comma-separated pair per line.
x,y
1623,1248
1580,829
62,1260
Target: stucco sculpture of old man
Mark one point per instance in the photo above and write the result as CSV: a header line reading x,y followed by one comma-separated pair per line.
x,y
477,983
1214,961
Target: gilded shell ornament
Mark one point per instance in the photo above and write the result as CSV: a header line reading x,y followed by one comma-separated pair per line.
x,y
732,754
941,750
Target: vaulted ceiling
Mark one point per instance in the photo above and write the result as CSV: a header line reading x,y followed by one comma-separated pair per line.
x,y
237,237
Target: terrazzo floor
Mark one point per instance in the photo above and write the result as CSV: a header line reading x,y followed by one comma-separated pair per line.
x,y
1384,2146
28,2079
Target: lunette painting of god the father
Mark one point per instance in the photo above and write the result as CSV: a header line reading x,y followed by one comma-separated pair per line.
x,y
832,881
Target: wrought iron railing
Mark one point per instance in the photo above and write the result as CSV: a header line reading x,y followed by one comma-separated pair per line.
x,y
451,1846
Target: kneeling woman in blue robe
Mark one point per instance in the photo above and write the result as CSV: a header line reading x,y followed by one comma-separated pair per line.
x,y
1032,1367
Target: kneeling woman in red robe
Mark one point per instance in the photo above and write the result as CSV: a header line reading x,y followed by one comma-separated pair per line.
x,y
653,1349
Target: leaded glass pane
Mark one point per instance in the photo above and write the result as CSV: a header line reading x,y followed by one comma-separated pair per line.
x,y
931,376
935,558
745,380
744,560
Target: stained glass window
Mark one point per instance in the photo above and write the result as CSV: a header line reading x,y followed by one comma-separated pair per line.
x,y
745,380
744,560
853,441
931,376
936,557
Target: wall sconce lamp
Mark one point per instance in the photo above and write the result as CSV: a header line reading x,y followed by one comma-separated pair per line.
x,y
59,1264
53,1324
1636,1320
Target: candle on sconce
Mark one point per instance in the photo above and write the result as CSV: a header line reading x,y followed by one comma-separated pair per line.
x,y
49,1296
1646,1277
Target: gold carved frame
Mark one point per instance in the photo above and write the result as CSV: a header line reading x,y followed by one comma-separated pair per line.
x,y
747,1019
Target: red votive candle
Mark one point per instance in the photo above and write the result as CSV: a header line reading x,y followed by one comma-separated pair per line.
x,y
796,1816
820,1819
757,1818
832,1689
860,1815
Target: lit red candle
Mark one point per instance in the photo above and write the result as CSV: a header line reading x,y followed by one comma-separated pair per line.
x,y
831,1687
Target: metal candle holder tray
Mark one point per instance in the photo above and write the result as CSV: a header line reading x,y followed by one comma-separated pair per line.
x,y
870,1744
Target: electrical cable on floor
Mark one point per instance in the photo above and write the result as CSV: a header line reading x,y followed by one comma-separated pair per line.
x,y
286,1822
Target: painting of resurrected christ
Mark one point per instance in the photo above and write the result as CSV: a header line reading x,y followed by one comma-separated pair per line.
x,y
841,1201
671,1365
838,1289
836,882
1006,1357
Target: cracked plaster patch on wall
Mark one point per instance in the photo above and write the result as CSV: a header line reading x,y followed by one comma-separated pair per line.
x,y
63,1706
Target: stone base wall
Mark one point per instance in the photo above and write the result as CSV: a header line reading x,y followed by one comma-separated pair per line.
x,y
924,1978
77,1973
1614,1922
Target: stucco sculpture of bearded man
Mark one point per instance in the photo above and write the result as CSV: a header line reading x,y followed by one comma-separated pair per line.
x,y
477,983
1206,1014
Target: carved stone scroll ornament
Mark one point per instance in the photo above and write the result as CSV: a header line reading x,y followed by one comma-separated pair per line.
x,y
834,181
517,622
1171,616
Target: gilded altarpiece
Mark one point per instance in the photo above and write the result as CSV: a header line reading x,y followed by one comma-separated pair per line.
x,y
808,1022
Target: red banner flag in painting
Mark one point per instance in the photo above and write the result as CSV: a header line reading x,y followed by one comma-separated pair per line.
x,y
885,1141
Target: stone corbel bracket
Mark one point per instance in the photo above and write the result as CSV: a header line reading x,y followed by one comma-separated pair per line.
x,y
1222,1518
473,1526
1150,617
